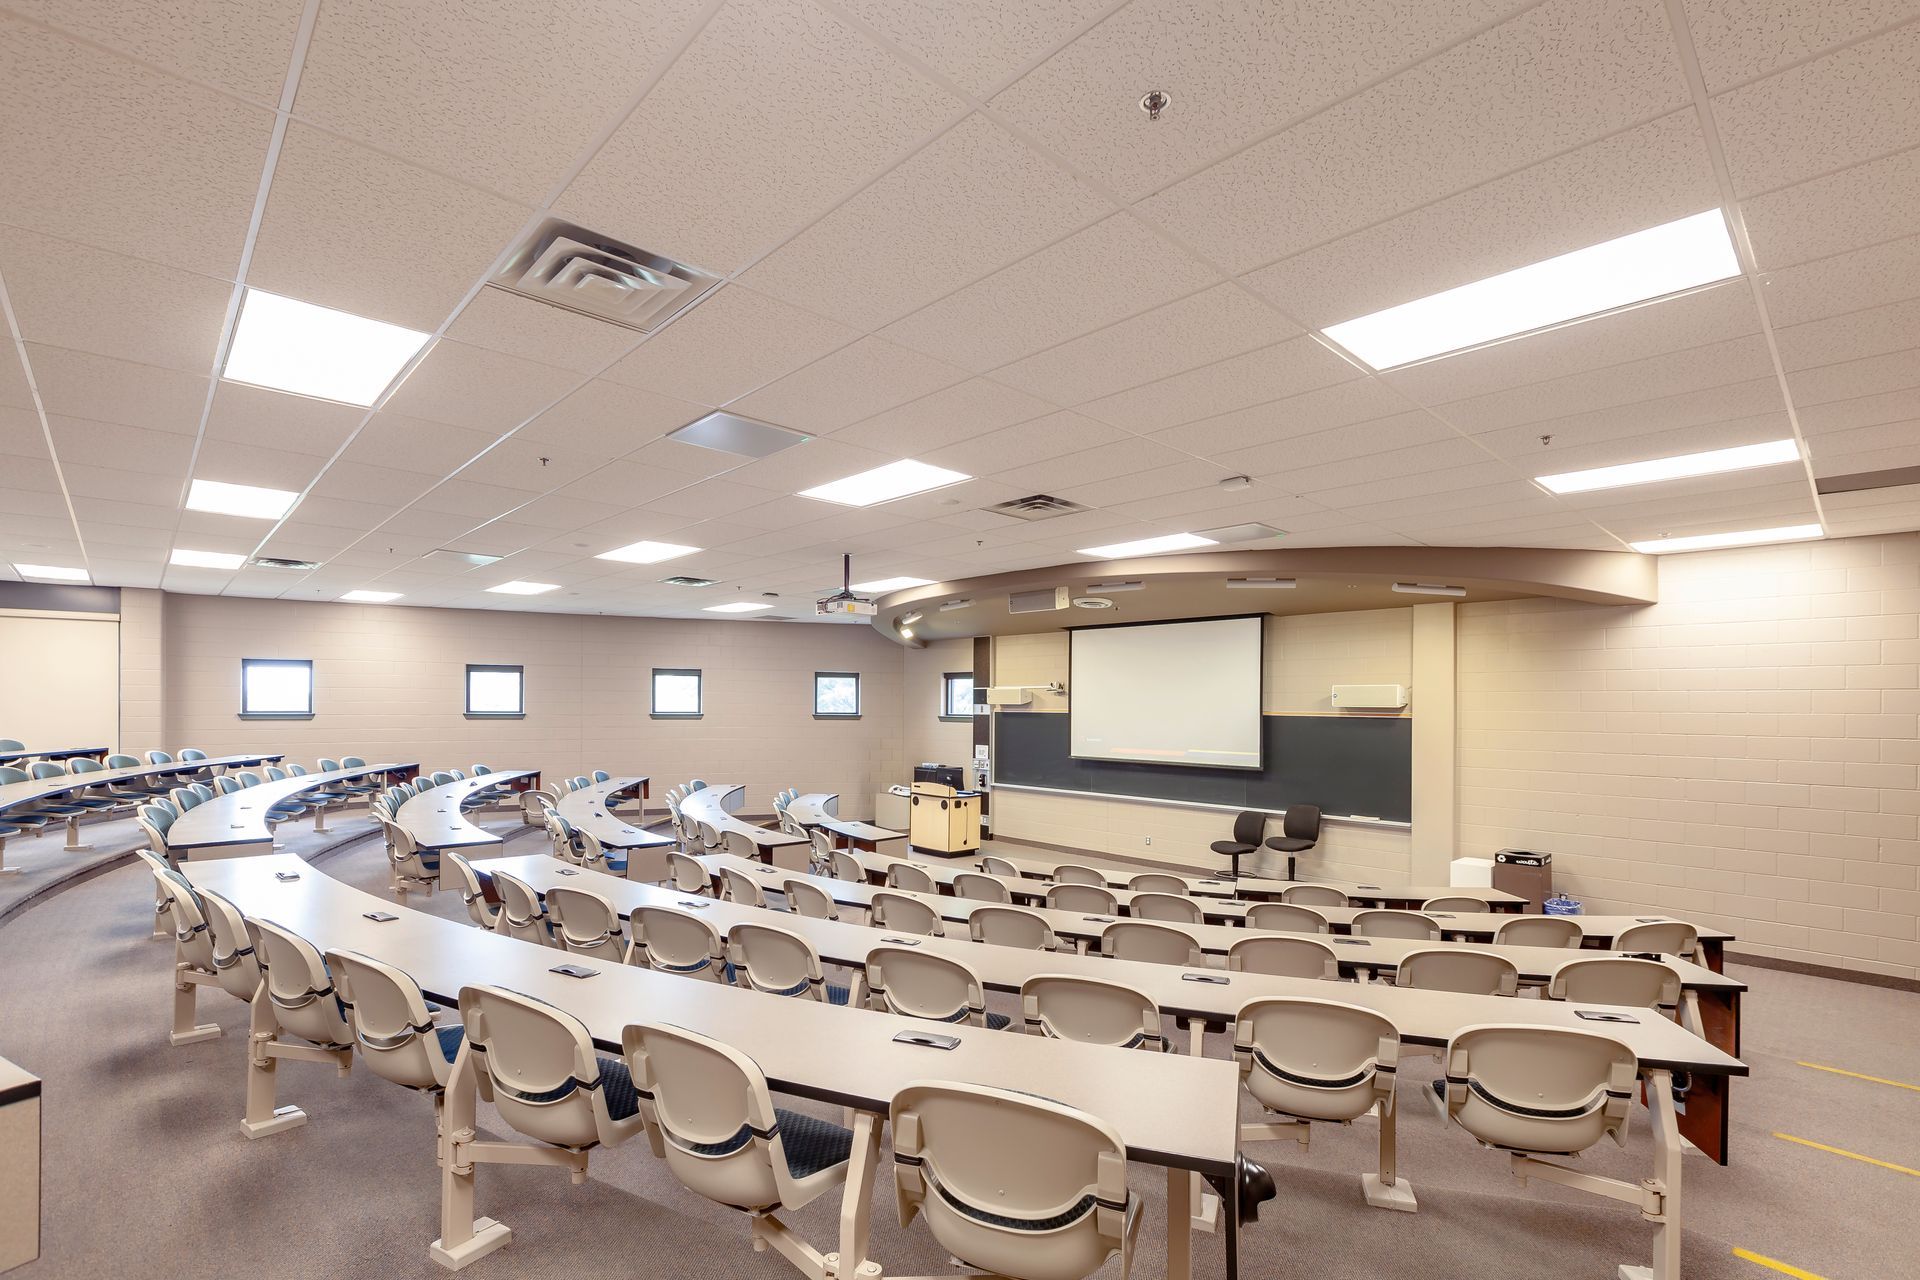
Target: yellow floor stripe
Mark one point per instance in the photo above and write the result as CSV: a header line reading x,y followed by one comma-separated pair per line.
x,y
1774,1264
1857,1076
1851,1155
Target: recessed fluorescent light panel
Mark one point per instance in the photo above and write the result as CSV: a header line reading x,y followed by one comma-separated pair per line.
x,y
1646,264
1428,589
883,484
647,552
247,500
738,606
1148,546
1744,538
51,573
891,584
286,345
1260,584
519,588
1681,467
206,559
371,597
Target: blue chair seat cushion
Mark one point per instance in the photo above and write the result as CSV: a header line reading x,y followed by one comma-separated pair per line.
x,y
449,1037
58,810
812,1144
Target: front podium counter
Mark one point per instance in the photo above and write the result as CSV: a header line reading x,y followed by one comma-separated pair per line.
x,y
944,820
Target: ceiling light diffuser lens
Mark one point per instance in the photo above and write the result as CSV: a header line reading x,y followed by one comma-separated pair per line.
x,y
647,552
519,588
1743,538
883,484
187,559
1149,546
1712,462
246,500
370,597
738,606
287,345
51,573
892,584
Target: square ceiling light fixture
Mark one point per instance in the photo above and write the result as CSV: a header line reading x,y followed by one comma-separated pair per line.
x,y
738,606
51,573
900,479
731,433
1680,467
519,588
1661,260
644,552
371,597
287,345
249,501
188,559
1149,546
1743,538
879,585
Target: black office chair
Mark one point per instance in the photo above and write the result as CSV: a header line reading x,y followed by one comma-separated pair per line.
x,y
1247,830
1300,831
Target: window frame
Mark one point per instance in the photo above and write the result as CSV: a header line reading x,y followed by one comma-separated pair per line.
x,y
699,693
247,713
854,714
946,702
517,669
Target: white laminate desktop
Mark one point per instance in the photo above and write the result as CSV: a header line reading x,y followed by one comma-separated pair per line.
x,y
236,823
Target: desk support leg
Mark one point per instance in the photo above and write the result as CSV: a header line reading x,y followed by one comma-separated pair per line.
x,y
263,1117
463,1238
1179,1225
1202,1205
73,836
856,1203
186,981
1385,1190
1664,1184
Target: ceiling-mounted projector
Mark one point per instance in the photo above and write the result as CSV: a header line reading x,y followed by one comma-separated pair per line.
x,y
843,603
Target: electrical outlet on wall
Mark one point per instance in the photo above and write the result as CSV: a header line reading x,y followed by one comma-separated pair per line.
x,y
1149,842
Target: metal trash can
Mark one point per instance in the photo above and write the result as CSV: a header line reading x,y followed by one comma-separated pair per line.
x,y
1525,873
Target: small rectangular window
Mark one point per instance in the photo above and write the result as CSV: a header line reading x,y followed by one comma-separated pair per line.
x,y
676,694
956,695
496,692
276,688
836,695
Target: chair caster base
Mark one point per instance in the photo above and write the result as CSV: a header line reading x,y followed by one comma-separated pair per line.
x,y
205,1031
284,1118
488,1236
1382,1196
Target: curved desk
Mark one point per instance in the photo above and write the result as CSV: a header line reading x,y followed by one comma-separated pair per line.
x,y
434,818
26,795
1404,896
62,753
716,804
814,808
590,809
232,825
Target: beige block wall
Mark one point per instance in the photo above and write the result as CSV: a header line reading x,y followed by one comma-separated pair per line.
x,y
1304,656
142,672
1742,753
929,738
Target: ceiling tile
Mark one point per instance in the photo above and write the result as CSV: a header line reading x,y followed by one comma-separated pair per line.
x,y
1850,209
1741,40
772,115
234,463
735,341
1275,373
1870,277
1853,336
474,500
1280,459
1881,435
1855,378
946,417
253,415
466,386
854,382
977,43
1026,444
530,464
516,326
1574,450
77,385
1440,467
1861,411
129,448
1344,403
241,46
605,420
393,442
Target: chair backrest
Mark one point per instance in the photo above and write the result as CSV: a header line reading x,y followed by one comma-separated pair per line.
x,y
10,775
689,874
12,744
775,960
227,784
696,784
323,764
822,847
560,832
902,914
1090,1011
298,985
739,844
536,1064
998,867
1301,822
232,946
352,762
709,836
159,757
1151,943
467,881
1015,1184
83,764
441,777
392,1025
921,984
1286,957
810,900
184,798
1286,917
1157,882
979,888
592,852
40,770
1539,931
674,941
1314,895
276,774
296,770
1479,973
113,761
1078,873
1091,898
599,775
1385,923
847,867
1553,1090
1249,827
586,923
791,825
188,918
1663,937
522,915
1315,1059
740,887
404,855
1616,980
1457,902
192,753
1008,926
913,879
1153,905
533,803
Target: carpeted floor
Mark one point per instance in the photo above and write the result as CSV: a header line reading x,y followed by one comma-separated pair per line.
x,y
146,1171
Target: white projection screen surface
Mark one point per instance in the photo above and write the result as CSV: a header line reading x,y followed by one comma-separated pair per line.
x,y
1177,693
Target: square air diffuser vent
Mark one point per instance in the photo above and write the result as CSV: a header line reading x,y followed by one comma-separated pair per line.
x,y
1242,533
682,580
282,562
1036,506
595,275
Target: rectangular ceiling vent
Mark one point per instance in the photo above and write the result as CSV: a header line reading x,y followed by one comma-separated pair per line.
x,y
682,580
1036,506
1859,481
1242,533
595,275
281,562
460,559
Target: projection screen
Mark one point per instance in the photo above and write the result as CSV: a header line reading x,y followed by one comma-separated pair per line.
x,y
1175,693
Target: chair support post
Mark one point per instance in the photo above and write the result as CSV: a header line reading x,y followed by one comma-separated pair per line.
x,y
1385,1189
463,1238
186,981
263,1117
73,836
850,1262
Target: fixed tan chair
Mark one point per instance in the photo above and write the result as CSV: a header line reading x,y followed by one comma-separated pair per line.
x,y
234,966
1150,943
1091,898
1661,937
711,1115
1019,1186
844,866
1158,882
1153,905
1457,902
1315,895
1006,926
1286,957
738,887
1311,1061
689,874
522,914
920,984
296,1016
472,892
1286,917
902,914
1539,931
537,1065
710,841
822,858
999,867
1647,984
564,838
193,966
1474,973
910,879
1382,922
597,856
975,887
680,942
409,868
739,844
810,900
586,923
399,1037
1078,873
768,958
1090,1011
534,804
